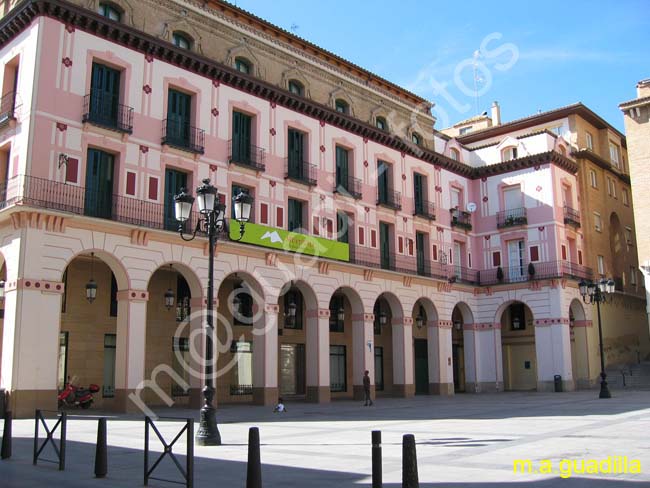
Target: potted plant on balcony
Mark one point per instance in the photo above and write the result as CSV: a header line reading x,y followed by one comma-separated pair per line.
x,y
531,270
500,274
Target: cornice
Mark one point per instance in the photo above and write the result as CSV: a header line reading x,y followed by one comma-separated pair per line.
x,y
601,162
88,21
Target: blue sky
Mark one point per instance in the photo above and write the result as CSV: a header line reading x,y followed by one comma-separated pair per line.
x,y
535,56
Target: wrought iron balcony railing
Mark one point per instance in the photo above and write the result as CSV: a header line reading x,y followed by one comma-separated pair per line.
x,y
511,218
246,155
300,171
534,271
105,111
389,198
7,108
460,218
571,216
181,135
350,187
424,208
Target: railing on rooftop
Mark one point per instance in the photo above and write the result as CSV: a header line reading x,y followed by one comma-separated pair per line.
x,y
246,155
105,111
181,135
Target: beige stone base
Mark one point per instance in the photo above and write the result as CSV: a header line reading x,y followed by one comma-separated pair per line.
x,y
318,394
359,394
443,389
483,387
265,396
403,391
23,403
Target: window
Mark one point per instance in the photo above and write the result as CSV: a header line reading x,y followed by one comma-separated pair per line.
x,y
611,187
243,312
296,167
419,194
108,387
379,368
496,259
509,153
601,264
181,40
614,154
338,381
517,316
590,141
242,379
342,227
593,178
337,304
534,253
243,65
632,275
178,129
557,130
240,149
342,106
180,362
626,197
182,299
296,88
295,223
598,224
381,123
236,190
628,235
175,181
293,296
110,11
454,154
384,187
465,130
416,139
113,306
342,169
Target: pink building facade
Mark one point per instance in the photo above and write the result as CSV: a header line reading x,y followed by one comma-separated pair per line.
x,y
459,267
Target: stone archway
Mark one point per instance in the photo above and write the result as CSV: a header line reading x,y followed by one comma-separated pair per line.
x,y
391,356
579,329
425,346
463,364
519,352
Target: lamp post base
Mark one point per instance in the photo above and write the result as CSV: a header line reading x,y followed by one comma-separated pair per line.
x,y
208,433
604,391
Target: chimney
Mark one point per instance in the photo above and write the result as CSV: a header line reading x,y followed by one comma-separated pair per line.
x,y
643,88
496,114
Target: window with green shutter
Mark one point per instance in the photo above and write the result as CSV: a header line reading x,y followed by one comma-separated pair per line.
x,y
295,215
241,137
342,171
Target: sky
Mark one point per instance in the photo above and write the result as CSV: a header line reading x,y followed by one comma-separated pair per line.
x,y
530,56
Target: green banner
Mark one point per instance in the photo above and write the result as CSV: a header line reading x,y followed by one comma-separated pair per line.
x,y
261,235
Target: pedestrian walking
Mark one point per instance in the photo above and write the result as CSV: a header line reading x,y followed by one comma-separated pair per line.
x,y
366,388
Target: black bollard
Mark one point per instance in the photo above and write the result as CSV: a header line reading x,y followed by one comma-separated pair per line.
x,y
6,437
376,459
254,470
409,463
101,454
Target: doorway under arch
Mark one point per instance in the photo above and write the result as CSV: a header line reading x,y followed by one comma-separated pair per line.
x,y
460,316
518,346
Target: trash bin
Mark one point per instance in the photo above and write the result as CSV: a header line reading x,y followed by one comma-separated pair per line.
x,y
557,380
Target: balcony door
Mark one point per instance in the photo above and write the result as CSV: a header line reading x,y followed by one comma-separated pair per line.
x,y
384,245
295,153
104,95
458,259
99,184
418,193
383,170
178,117
241,137
174,181
420,246
342,172
516,267
512,200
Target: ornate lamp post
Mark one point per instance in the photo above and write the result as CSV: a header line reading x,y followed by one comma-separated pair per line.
x,y
596,293
211,221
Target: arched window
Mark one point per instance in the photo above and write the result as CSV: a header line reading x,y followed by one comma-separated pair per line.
x,y
509,153
342,106
415,137
110,11
296,87
454,154
243,65
181,40
381,123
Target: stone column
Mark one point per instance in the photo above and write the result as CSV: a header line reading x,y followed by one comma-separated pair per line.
x,y
30,344
483,361
553,351
403,385
363,347
441,371
130,381
265,356
318,355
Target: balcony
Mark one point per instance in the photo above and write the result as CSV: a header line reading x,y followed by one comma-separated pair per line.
x,y
105,111
246,155
424,208
300,171
511,218
540,271
7,107
181,135
349,187
571,217
460,274
389,198
461,219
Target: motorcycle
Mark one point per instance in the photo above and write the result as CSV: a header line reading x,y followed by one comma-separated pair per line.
x,y
74,396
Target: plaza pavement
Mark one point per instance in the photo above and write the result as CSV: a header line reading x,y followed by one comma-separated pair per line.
x,y
465,440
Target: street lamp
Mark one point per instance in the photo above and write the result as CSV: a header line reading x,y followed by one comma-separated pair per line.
x,y
596,293
91,286
211,221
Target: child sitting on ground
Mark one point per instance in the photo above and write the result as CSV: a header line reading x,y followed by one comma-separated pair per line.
x,y
280,406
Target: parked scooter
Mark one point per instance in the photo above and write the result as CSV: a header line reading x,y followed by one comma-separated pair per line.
x,y
74,396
